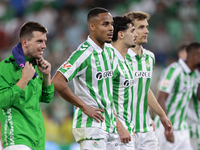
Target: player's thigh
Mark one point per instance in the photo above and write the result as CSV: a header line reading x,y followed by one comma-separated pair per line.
x,y
147,141
18,147
97,144
112,141
195,142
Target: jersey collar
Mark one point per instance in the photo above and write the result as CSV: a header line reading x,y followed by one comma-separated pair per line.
x,y
94,45
133,54
119,56
184,66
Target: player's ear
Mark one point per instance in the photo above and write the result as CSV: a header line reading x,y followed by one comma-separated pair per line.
x,y
91,26
120,35
24,42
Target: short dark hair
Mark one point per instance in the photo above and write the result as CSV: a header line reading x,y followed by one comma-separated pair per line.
x,y
182,47
95,11
138,15
193,47
26,30
120,24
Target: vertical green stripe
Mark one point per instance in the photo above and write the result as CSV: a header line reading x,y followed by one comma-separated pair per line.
x,y
153,62
131,76
146,94
128,57
169,76
116,83
107,116
182,111
146,103
197,132
191,133
88,75
126,97
139,94
79,119
195,101
173,99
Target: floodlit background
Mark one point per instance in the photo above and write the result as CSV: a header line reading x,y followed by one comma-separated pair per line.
x,y
172,23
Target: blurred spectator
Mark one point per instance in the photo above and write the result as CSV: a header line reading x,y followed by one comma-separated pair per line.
x,y
161,44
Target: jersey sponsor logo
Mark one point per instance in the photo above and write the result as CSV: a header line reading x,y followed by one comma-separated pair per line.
x,y
106,74
165,83
67,65
128,83
142,74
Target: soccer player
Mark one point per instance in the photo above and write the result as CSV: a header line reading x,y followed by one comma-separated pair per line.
x,y
91,68
175,91
124,37
142,62
25,79
194,116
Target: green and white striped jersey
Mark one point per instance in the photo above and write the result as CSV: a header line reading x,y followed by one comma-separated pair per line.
x,y
123,91
142,68
178,81
194,113
91,69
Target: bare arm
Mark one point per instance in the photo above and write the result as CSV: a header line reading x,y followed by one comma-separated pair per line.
x,y
152,102
161,97
63,89
122,131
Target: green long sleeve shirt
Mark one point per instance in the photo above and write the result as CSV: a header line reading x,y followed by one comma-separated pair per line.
x,y
20,113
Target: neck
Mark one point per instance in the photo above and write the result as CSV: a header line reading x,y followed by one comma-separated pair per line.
x,y
190,65
137,49
99,43
121,48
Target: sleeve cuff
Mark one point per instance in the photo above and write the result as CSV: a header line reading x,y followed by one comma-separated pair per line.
x,y
48,89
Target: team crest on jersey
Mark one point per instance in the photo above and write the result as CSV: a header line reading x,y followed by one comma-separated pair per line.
x,y
67,65
147,64
165,83
95,144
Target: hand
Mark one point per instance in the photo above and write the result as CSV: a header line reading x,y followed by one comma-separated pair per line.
x,y
170,137
93,113
167,125
124,135
44,66
28,71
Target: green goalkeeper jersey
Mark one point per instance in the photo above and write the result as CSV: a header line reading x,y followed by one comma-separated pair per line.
x,y
20,113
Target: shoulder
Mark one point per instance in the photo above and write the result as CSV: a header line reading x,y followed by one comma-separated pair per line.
x,y
7,64
149,53
174,69
83,49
